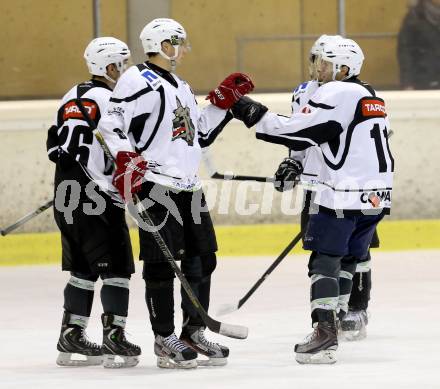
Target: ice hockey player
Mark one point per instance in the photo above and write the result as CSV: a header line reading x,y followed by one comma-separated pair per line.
x,y
353,182
352,309
95,239
155,130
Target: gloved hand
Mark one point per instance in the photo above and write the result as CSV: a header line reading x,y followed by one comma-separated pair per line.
x,y
130,169
230,90
248,111
287,173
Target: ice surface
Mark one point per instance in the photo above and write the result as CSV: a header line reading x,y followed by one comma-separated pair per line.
x,y
402,349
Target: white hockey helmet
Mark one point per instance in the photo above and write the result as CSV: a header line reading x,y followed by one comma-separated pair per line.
x,y
159,30
316,50
101,52
319,44
342,52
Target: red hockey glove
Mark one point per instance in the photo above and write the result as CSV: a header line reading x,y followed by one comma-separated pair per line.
x,y
130,169
230,90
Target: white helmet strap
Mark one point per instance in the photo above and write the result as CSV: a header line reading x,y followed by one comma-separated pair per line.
x,y
107,77
120,66
337,69
173,58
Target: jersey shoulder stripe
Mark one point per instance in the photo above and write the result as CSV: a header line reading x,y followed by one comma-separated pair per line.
x,y
133,97
87,86
158,122
363,105
320,105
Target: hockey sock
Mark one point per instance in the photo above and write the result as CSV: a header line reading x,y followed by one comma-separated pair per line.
x,y
209,263
202,290
198,271
360,293
190,315
192,269
159,288
78,296
160,302
109,320
324,291
348,266
321,315
345,283
323,295
115,296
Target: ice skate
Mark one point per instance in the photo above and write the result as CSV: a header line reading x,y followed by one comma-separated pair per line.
x,y
354,325
320,346
117,351
194,337
74,347
172,353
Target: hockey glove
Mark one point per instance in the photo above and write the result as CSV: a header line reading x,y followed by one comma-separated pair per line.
x,y
130,169
287,173
230,90
248,111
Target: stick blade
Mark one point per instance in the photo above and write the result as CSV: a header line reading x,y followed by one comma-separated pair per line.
x,y
230,330
224,309
234,331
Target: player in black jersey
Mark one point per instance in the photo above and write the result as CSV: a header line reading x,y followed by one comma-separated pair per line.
x,y
94,234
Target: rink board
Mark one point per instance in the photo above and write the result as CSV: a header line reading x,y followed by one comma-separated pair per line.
x,y
241,240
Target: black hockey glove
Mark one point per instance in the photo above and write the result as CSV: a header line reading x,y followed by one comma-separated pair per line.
x,y
286,174
248,111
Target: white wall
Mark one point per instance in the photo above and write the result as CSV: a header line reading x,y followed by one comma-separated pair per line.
x,y
27,175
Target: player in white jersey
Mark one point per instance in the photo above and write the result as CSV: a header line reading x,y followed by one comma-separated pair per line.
x,y
155,130
352,309
94,234
353,182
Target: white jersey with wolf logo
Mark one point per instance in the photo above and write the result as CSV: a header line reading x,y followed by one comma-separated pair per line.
x,y
350,126
155,113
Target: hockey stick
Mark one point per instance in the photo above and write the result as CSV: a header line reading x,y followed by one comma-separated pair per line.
x,y
26,218
239,177
227,308
213,173
230,330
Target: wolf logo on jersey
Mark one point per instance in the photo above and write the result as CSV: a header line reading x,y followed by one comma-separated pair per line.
x,y
183,127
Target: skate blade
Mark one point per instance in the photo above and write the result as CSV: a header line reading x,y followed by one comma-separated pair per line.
x,y
119,361
212,362
322,357
65,359
167,363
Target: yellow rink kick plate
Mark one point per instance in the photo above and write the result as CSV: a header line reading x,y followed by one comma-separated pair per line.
x,y
237,240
